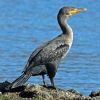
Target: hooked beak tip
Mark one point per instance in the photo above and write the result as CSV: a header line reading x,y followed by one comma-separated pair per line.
x,y
83,9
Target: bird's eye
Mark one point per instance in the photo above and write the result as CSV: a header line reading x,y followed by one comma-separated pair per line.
x,y
66,13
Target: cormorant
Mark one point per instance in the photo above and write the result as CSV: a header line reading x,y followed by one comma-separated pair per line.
x,y
46,58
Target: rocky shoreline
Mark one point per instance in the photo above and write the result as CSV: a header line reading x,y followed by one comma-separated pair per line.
x,y
39,92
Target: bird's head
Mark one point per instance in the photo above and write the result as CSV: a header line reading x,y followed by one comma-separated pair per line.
x,y
69,11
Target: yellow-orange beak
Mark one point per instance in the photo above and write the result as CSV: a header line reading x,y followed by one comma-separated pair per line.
x,y
74,11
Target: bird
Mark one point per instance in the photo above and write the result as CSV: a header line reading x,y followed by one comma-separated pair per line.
x,y
45,59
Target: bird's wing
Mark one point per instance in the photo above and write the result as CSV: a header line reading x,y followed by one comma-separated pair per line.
x,y
55,51
33,55
50,52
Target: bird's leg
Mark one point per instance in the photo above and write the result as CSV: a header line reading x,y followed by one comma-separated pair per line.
x,y
51,71
43,77
52,82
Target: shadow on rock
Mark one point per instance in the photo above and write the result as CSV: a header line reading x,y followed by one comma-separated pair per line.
x,y
28,94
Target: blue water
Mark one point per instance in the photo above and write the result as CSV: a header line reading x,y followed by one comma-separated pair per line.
x,y
26,24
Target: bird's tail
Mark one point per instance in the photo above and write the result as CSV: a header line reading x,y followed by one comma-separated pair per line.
x,y
25,76
20,81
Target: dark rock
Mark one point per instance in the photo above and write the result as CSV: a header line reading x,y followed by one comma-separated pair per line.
x,y
95,93
18,89
5,87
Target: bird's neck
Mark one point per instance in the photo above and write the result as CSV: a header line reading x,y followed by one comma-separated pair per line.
x,y
62,20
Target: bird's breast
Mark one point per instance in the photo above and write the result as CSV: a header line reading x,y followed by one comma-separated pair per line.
x,y
69,41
